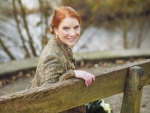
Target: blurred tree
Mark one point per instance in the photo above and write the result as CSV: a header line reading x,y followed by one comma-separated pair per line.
x,y
5,8
19,30
93,13
5,48
31,43
141,26
83,8
46,10
124,12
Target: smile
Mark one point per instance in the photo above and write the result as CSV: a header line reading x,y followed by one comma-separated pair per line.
x,y
71,39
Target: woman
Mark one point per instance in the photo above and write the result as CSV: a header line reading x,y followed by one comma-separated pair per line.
x,y
56,61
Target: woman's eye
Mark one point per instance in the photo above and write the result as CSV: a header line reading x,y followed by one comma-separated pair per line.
x,y
65,28
77,27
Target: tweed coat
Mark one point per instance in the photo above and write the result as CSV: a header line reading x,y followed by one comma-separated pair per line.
x,y
56,63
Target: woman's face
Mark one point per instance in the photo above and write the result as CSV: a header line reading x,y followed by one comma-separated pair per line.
x,y
68,31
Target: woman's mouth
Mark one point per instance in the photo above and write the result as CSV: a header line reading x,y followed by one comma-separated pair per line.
x,y
71,39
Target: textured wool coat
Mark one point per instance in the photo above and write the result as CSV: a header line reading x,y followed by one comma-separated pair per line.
x,y
56,63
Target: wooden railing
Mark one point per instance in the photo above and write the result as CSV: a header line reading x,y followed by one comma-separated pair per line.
x,y
128,78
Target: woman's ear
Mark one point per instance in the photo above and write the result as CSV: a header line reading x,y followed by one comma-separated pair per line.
x,y
56,31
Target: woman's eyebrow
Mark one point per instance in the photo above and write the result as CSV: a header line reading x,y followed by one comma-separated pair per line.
x,y
77,26
69,27
65,26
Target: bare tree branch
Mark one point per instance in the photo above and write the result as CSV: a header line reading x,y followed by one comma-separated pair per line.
x,y
45,9
6,50
19,30
26,27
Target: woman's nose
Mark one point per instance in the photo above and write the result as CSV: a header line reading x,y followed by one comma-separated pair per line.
x,y
72,32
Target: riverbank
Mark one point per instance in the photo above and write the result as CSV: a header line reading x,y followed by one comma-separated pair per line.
x,y
13,67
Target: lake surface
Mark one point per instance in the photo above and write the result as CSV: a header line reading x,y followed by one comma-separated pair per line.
x,y
106,36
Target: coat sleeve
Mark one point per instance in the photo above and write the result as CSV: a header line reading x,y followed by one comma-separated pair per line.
x,y
54,70
67,75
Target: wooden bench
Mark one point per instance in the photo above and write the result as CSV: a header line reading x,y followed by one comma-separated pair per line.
x,y
128,78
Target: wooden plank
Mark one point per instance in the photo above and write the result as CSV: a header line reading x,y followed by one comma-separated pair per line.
x,y
68,94
133,90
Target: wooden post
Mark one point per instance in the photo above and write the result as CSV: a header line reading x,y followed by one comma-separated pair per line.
x,y
133,90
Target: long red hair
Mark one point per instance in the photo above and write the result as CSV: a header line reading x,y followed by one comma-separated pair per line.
x,y
61,13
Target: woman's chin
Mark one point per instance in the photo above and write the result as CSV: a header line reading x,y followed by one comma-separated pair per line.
x,y
71,44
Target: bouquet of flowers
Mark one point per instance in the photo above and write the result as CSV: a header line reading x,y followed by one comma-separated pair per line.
x,y
98,106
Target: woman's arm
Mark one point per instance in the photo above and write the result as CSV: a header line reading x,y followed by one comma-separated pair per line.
x,y
86,76
54,71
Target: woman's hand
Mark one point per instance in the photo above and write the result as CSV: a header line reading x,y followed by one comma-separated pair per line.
x,y
87,77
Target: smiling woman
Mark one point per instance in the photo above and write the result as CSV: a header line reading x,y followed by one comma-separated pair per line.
x,y
56,61
66,25
68,31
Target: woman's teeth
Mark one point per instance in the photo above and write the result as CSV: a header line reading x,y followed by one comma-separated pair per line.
x,y
70,39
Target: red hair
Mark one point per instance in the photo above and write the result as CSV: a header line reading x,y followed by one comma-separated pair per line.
x,y
61,13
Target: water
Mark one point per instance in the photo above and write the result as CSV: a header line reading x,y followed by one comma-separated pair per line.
x,y
107,36
110,37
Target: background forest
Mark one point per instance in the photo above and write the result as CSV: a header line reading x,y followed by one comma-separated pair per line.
x,y
106,25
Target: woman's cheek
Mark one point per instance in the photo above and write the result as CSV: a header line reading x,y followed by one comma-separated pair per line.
x,y
78,33
64,33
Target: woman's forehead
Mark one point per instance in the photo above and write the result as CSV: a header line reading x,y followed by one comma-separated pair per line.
x,y
68,21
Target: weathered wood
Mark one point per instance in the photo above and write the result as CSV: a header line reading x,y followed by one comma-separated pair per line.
x,y
68,94
133,90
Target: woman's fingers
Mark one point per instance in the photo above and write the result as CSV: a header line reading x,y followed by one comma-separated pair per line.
x,y
93,78
86,80
86,83
89,78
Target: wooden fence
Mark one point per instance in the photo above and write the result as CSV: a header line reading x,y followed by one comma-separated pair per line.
x,y
128,78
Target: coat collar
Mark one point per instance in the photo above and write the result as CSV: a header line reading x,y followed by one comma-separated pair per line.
x,y
65,49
